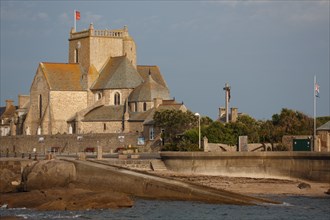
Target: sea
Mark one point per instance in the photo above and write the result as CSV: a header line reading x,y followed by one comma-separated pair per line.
x,y
291,207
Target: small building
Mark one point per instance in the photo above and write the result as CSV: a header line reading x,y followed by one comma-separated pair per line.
x,y
7,118
323,133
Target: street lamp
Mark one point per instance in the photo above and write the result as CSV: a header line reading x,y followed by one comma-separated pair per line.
x,y
199,129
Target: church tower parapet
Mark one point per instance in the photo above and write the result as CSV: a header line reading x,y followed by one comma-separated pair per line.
x,y
93,46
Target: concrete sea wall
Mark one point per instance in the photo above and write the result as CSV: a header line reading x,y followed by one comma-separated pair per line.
x,y
101,175
314,166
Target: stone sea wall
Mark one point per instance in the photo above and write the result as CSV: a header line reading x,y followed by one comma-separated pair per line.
x,y
66,143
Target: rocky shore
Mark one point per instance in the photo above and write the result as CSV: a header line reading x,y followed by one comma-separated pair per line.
x,y
52,185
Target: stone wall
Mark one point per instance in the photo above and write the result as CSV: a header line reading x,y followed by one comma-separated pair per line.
x,y
67,143
39,89
324,141
60,113
218,147
14,165
287,140
98,127
313,166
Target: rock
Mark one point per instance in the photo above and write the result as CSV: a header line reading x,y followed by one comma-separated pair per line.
x,y
7,177
66,199
328,192
304,186
48,174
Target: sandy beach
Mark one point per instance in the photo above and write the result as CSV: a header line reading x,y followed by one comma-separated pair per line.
x,y
254,186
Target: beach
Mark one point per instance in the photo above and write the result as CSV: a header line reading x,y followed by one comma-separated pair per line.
x,y
254,186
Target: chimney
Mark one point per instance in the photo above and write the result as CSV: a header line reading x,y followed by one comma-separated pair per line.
x,y
9,103
157,102
222,112
234,114
22,100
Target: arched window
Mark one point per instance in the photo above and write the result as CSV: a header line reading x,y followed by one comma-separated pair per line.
x,y
76,60
144,106
98,96
117,98
104,126
40,106
134,107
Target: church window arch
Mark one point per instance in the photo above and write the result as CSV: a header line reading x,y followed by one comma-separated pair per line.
x,y
40,106
144,106
134,107
117,98
76,56
98,96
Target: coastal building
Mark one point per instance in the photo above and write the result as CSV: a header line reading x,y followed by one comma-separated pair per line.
x,y
323,134
100,90
6,118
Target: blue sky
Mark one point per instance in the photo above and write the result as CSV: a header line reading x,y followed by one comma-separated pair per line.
x,y
268,51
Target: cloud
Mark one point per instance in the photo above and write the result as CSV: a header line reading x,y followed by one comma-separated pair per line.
x,y
301,13
90,17
187,24
40,16
64,18
11,12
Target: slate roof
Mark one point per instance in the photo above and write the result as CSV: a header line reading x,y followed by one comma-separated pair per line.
x,y
324,127
62,76
2,110
118,73
9,112
144,71
105,113
149,90
140,116
92,73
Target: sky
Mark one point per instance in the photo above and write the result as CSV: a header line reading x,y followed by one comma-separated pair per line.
x,y
268,51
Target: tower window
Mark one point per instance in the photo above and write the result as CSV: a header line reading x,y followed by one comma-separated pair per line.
x,y
117,98
144,106
76,60
40,106
104,126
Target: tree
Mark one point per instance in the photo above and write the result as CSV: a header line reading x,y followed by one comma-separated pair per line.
x,y
291,122
174,123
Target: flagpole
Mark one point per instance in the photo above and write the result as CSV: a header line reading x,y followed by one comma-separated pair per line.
x,y
74,18
314,92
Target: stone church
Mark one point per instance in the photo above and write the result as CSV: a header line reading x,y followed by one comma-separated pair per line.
x,y
100,90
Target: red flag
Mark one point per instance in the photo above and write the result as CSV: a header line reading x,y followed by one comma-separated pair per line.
x,y
77,15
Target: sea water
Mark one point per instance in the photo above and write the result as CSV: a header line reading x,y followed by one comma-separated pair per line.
x,y
291,207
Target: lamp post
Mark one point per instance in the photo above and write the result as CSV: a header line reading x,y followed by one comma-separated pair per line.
x,y
199,129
